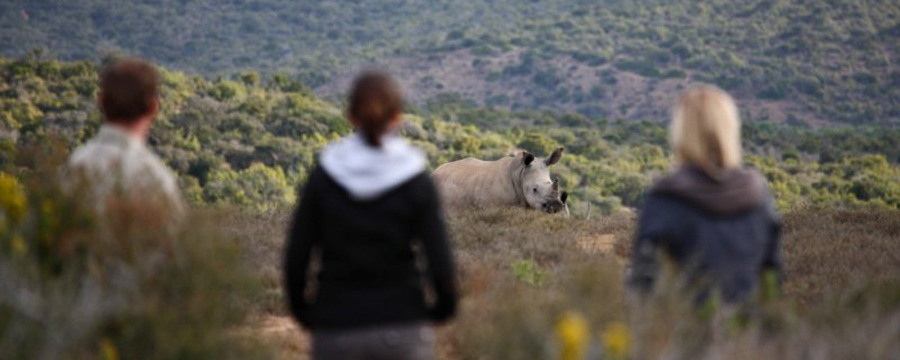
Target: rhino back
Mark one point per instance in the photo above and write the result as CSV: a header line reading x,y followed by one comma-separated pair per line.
x,y
473,182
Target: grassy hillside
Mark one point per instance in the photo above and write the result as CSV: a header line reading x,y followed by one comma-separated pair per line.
x,y
788,61
521,272
251,140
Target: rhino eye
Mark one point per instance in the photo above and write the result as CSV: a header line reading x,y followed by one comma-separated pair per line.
x,y
535,190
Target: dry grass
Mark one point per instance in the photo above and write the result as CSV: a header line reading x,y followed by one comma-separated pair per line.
x,y
832,253
519,271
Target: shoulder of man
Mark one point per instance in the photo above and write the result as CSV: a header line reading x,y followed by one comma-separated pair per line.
x,y
147,172
88,154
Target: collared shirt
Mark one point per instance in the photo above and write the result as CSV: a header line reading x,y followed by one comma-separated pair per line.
x,y
118,163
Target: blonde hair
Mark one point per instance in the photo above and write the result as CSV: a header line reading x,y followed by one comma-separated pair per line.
x,y
706,130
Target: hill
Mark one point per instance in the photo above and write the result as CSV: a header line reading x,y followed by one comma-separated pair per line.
x,y
814,62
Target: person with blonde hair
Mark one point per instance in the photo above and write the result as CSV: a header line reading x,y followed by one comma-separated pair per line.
x,y
714,218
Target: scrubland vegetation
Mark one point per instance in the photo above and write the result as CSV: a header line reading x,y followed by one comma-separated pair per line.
x,y
250,141
533,285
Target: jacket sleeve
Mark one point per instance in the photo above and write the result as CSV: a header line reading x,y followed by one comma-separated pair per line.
x,y
431,231
304,233
644,263
772,259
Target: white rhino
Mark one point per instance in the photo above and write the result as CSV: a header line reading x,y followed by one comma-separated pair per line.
x,y
520,180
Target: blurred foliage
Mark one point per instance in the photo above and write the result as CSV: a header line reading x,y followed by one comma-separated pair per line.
x,y
832,58
78,285
529,272
251,140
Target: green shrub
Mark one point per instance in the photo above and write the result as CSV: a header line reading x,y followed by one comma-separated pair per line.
x,y
527,271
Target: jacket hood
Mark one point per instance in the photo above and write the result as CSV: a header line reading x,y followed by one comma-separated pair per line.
x,y
367,172
736,190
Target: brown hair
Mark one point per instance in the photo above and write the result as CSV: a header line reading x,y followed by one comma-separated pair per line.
x,y
128,89
374,102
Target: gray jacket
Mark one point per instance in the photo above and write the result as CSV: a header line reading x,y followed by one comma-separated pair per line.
x,y
721,233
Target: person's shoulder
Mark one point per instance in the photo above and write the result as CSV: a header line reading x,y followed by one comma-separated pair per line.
x,y
318,181
421,182
155,165
657,201
90,153
317,176
422,188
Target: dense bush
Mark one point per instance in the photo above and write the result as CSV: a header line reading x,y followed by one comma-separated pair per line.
x,y
78,285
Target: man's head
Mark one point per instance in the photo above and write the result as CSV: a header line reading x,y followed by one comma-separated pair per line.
x,y
129,94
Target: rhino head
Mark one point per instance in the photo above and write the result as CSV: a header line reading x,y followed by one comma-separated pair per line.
x,y
558,206
538,190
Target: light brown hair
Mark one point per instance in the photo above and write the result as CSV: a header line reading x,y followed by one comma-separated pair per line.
x,y
375,102
129,88
706,130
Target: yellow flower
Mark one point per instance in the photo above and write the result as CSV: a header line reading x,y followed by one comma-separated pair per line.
x,y
617,340
12,198
108,350
47,206
18,244
572,333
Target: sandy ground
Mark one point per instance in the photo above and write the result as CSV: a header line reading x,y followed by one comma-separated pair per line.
x,y
282,335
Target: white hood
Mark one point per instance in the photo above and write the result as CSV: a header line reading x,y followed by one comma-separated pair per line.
x,y
367,172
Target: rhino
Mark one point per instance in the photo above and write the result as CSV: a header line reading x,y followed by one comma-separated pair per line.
x,y
519,180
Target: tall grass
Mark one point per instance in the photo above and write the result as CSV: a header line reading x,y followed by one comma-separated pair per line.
x,y
125,285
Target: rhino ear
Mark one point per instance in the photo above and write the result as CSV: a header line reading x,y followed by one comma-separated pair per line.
x,y
554,158
564,196
527,157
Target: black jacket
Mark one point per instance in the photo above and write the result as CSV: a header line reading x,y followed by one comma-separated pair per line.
x,y
722,233
369,273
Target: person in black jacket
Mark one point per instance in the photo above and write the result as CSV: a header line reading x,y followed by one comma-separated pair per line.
x,y
368,212
713,218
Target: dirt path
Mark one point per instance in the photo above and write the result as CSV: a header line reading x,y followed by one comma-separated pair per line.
x,y
281,334
597,244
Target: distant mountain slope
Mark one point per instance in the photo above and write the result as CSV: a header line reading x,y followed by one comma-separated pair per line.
x,y
798,61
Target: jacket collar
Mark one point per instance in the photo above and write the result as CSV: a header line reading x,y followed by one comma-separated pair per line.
x,y
733,191
116,135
